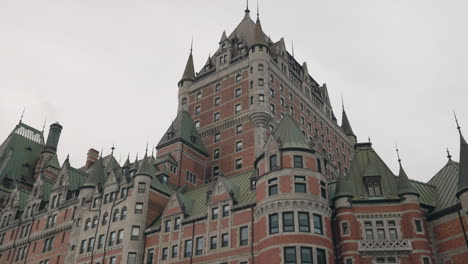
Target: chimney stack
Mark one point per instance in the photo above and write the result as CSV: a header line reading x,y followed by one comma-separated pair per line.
x,y
53,138
92,157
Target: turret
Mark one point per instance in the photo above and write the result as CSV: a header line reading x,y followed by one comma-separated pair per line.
x,y
462,192
53,138
187,79
346,126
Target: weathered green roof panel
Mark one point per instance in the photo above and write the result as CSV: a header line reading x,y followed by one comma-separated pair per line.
x,y
289,135
404,184
19,154
183,129
97,176
446,182
427,192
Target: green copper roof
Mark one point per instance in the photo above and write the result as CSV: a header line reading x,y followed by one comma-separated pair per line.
x,y
19,154
463,167
344,187
427,192
404,184
183,129
53,162
23,197
345,125
47,189
189,72
97,176
446,182
76,178
367,163
146,168
289,135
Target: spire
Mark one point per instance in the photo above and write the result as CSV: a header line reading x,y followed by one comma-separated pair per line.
x,y
223,37
259,36
404,184
44,125
247,11
463,167
145,168
448,155
136,164
97,176
346,126
208,61
189,72
127,162
112,149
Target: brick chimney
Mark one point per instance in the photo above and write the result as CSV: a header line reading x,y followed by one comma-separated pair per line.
x,y
92,157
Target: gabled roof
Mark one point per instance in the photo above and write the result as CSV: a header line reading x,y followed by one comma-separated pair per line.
x,y
183,129
289,135
365,163
19,154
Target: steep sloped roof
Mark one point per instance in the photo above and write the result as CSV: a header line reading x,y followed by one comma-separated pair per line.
x,y
427,192
446,182
19,153
97,176
183,129
289,135
463,166
404,184
76,178
346,125
189,72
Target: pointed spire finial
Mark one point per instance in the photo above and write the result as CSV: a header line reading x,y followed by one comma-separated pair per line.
x,y
191,46
22,114
146,151
247,7
43,126
68,156
112,149
398,153
152,151
258,11
100,154
456,121
448,154
342,102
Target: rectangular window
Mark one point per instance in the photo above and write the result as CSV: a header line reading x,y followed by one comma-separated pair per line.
x,y
175,251
82,247
226,209
214,213
213,242
299,184
141,187
112,239
418,226
238,129
138,208
150,256
217,137
101,241
199,246
120,236
321,256
273,162
188,248
244,235
261,98
216,116
381,234
177,223
288,222
274,224
323,189
225,240
272,186
217,101
318,226
216,153
426,260
238,164
135,233
131,258
290,255
393,233
238,92
344,228
215,170
369,234
304,222
237,108
164,253
217,87
298,162
306,255
239,145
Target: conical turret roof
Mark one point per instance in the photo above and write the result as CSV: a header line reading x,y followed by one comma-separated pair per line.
x,y
189,72
289,135
127,162
97,176
463,167
223,37
259,36
344,187
404,184
345,125
146,168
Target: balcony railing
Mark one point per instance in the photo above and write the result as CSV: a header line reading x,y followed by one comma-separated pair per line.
x,y
399,245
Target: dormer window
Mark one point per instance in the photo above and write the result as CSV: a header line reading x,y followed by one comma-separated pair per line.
x,y
373,186
170,135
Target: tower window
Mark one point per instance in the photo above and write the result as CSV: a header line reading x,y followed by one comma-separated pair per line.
x,y
216,117
216,153
261,98
273,162
288,222
273,186
238,77
260,67
304,222
199,95
237,108
197,109
298,162
260,82
218,87
274,224
300,184
290,255
318,225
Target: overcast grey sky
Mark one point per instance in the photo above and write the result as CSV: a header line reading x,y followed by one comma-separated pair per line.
x,y
108,70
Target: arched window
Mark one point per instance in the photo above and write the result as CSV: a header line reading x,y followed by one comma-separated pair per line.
x,y
123,214
87,224
95,222
115,216
105,219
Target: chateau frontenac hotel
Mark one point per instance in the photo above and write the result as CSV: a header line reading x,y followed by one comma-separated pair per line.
x,y
255,168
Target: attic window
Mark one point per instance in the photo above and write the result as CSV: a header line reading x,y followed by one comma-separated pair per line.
x,y
170,135
373,186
